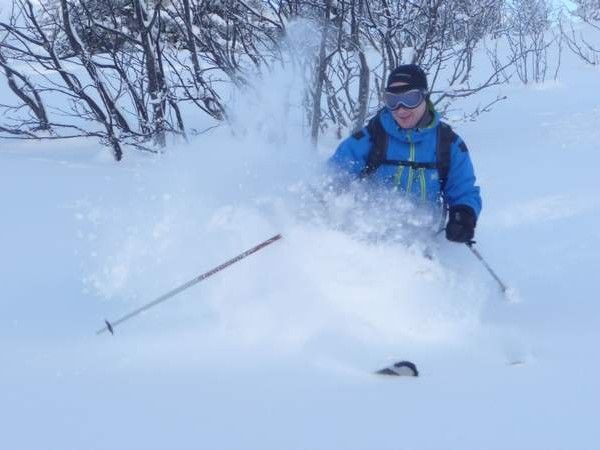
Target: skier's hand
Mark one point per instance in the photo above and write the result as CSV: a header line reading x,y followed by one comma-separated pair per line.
x,y
461,224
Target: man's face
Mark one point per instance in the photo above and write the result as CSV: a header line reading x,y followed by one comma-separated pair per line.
x,y
408,118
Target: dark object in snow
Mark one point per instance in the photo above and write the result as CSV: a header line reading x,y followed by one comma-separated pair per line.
x,y
399,369
517,362
110,325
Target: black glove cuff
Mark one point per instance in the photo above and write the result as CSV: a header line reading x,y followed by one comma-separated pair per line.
x,y
463,214
461,224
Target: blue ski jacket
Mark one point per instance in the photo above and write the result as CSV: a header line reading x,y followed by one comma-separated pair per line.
x,y
419,145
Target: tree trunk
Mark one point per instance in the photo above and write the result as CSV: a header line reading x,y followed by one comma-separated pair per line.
x,y
364,77
152,71
320,74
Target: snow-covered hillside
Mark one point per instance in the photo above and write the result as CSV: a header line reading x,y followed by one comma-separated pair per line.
x,y
276,352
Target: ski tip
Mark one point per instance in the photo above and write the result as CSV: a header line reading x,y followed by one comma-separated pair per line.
x,y
109,327
399,369
516,362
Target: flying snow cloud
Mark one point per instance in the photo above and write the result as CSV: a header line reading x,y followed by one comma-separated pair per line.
x,y
334,275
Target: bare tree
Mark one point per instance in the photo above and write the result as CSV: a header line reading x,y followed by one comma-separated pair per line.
x,y
24,90
440,35
122,70
528,27
320,74
586,12
94,91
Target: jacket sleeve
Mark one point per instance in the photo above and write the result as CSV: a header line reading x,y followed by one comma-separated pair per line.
x,y
350,157
460,186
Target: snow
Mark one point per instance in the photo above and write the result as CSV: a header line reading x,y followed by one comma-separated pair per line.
x,y
276,351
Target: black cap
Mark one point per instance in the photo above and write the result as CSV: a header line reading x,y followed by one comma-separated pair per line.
x,y
411,74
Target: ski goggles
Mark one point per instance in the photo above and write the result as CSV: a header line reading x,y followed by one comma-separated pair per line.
x,y
409,99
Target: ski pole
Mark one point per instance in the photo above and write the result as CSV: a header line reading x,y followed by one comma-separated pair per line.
x,y
487,266
111,325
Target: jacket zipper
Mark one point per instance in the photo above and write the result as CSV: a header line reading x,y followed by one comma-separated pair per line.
x,y
411,158
423,184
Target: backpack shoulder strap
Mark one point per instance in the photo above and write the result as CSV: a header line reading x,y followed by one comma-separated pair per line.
x,y
445,138
379,144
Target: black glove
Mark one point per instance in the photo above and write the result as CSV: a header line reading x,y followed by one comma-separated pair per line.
x,y
461,224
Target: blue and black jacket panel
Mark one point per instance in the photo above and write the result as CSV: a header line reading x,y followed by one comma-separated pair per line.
x,y
417,145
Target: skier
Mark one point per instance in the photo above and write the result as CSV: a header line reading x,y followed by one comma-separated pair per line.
x,y
407,148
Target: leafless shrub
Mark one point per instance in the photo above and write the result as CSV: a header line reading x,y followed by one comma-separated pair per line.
x,y
128,71
586,12
528,28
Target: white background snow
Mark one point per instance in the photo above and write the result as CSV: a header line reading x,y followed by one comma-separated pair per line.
x,y
277,351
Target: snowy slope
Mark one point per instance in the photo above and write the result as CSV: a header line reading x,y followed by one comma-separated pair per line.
x,y
275,353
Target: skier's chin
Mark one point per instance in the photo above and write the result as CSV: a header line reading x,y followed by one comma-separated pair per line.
x,y
406,121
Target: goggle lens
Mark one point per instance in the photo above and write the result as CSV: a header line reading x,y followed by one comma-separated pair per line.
x,y
409,100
